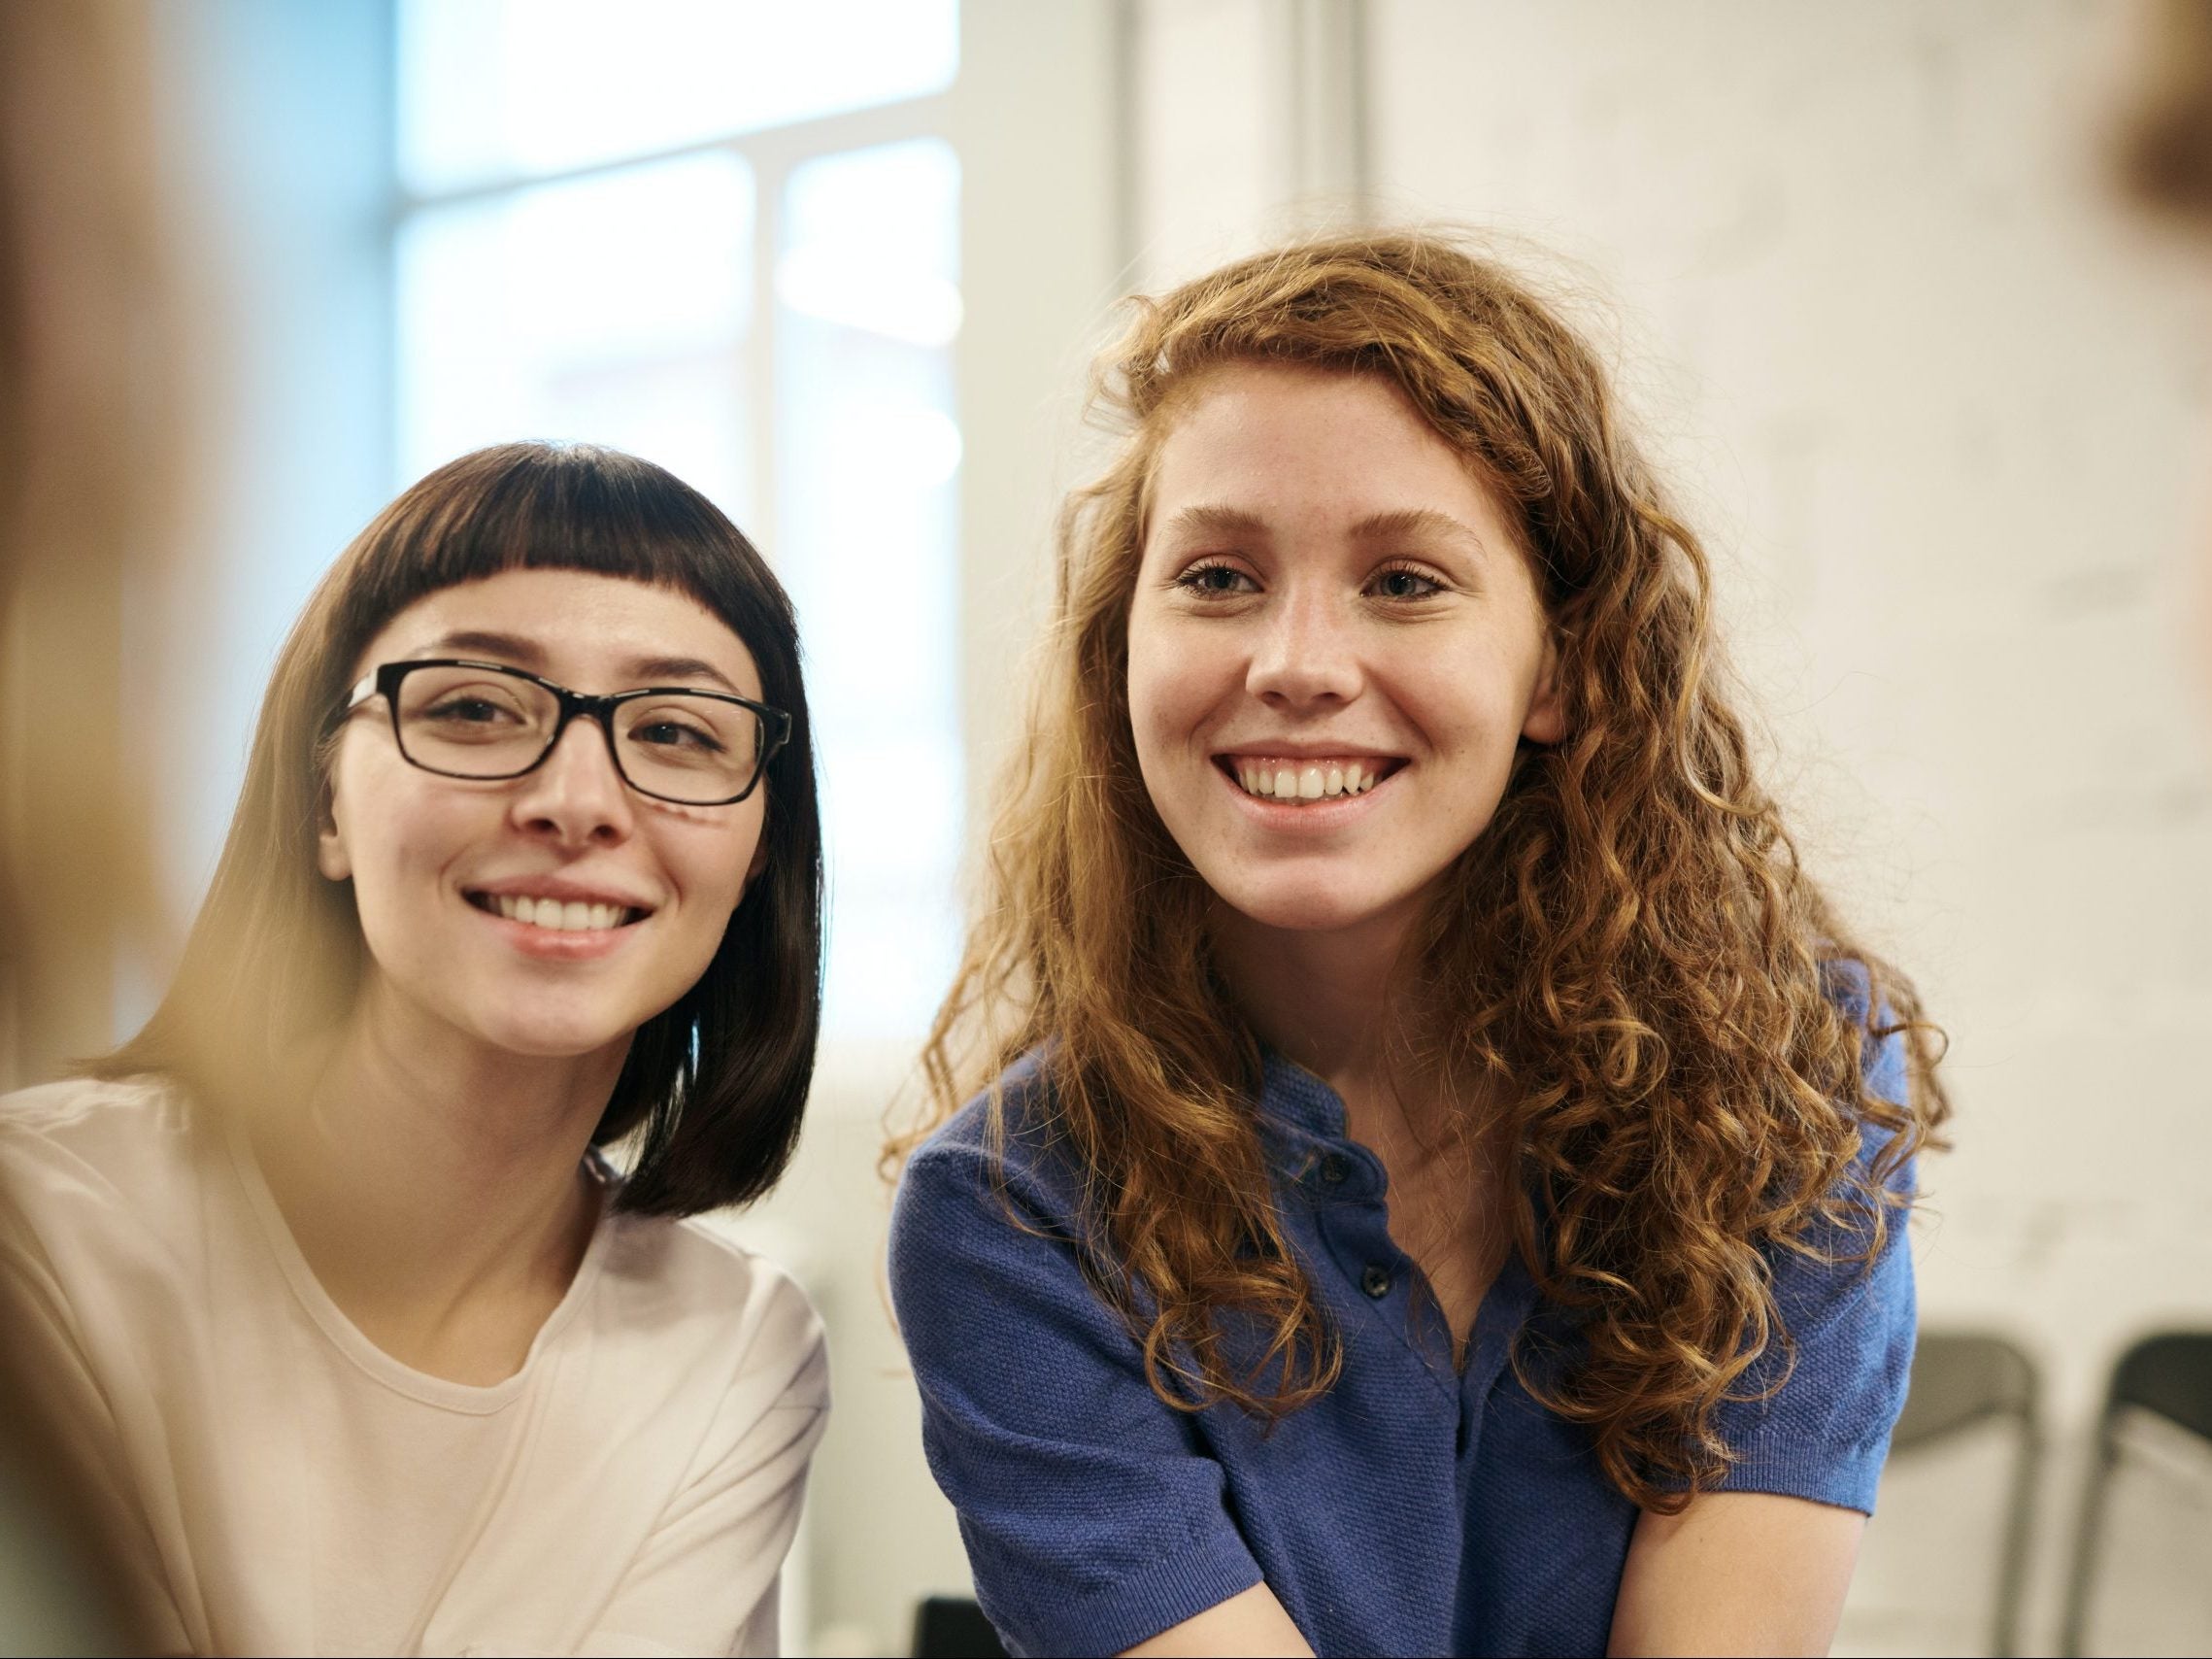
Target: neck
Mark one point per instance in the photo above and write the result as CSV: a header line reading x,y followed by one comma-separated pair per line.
x,y
1323,998
424,1173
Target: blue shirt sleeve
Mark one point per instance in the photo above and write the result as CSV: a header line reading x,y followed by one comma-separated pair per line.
x,y
1825,1432
1093,1515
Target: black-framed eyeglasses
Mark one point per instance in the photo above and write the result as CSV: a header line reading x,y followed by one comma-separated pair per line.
x,y
487,720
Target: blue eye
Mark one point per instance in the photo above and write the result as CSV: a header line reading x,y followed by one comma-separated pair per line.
x,y
1215,579
1399,582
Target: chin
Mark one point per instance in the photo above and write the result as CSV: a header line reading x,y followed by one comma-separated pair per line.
x,y
539,1034
1310,910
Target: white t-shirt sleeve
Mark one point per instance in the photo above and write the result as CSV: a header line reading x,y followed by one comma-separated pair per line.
x,y
706,1579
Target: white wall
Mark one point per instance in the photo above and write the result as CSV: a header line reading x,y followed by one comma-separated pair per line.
x,y
1924,386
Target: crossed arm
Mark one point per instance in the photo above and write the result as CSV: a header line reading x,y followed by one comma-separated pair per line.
x,y
1734,1572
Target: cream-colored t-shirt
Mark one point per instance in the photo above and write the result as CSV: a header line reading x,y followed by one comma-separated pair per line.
x,y
278,1485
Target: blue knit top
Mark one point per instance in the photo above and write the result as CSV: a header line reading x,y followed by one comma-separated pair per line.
x,y
1419,1508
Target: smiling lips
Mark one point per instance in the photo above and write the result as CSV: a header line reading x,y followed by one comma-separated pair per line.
x,y
1300,779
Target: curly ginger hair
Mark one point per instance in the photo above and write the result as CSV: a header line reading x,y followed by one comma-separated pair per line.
x,y
1629,960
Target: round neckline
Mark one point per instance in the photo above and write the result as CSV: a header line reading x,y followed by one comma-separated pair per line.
x,y
474,1398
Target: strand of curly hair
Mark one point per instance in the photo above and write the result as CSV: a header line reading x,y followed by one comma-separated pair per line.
x,y
1630,960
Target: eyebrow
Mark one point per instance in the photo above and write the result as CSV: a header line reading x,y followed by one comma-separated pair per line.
x,y
1209,520
528,654
1417,522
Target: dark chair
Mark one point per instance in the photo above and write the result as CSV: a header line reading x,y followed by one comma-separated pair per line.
x,y
1960,1381
2169,1376
952,1627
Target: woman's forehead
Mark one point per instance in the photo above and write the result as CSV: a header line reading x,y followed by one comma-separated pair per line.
x,y
1264,441
574,625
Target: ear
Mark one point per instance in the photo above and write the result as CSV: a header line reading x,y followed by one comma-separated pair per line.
x,y
1547,718
759,860
330,855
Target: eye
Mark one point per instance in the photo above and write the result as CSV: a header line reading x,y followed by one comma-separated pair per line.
x,y
1215,579
1401,582
670,734
464,709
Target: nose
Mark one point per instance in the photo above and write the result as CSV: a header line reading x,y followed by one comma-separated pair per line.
x,y
576,797
1307,651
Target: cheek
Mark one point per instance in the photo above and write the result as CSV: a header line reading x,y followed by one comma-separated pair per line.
x,y
1467,704
708,862
1175,681
395,828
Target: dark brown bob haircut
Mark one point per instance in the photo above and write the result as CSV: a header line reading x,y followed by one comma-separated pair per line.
x,y
715,1086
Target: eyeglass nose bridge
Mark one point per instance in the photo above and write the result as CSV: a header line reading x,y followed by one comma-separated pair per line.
x,y
601,711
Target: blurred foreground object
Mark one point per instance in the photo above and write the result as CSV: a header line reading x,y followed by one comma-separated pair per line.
x,y
2165,148
2164,157
83,353
84,346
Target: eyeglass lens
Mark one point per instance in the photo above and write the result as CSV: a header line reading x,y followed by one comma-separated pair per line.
x,y
469,722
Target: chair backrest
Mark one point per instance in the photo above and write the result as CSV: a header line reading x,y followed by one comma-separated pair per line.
x,y
2172,1374
952,1627
1958,1379
2139,1579
1942,1565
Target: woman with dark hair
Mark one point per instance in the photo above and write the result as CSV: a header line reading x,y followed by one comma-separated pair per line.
x,y
369,1336
1432,1168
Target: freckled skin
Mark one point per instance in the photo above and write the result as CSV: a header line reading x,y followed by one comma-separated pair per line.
x,y
413,842
1321,569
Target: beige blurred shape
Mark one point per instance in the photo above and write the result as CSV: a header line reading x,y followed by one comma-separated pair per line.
x,y
85,351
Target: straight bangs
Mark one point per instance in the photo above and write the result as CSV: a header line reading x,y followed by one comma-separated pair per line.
x,y
538,507
712,1092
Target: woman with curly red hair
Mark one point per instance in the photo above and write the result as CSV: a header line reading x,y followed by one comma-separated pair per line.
x,y
1437,1178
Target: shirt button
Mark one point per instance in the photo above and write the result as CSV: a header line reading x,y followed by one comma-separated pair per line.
x,y
1333,1169
1376,1280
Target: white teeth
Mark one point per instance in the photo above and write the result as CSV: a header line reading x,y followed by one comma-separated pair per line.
x,y
1321,781
573,916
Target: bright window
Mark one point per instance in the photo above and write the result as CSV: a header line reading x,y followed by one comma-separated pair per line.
x,y
725,237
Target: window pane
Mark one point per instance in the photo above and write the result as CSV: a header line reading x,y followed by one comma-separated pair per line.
x,y
613,310
489,88
868,453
